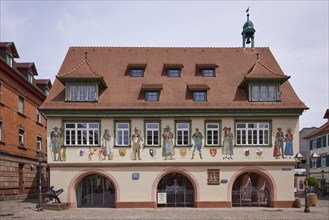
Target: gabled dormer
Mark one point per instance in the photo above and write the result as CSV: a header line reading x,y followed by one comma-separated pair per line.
x,y
263,84
28,70
8,52
82,83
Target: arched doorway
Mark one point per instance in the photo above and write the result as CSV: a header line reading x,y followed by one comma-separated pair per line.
x,y
95,191
175,190
250,189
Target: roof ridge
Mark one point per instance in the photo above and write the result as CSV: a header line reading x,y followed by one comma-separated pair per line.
x,y
164,47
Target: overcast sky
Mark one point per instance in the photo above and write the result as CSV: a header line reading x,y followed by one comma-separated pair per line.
x,y
295,31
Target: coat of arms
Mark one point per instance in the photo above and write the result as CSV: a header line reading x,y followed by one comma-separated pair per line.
x,y
213,152
183,152
122,152
152,152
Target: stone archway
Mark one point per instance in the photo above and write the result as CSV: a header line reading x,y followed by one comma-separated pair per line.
x,y
95,190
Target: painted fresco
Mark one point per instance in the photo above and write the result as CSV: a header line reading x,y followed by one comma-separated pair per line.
x,y
197,138
213,176
278,145
106,148
288,151
227,149
57,149
136,139
168,151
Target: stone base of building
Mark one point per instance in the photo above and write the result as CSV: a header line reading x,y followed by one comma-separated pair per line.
x,y
282,204
212,204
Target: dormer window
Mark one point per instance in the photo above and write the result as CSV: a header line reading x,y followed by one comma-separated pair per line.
x,y
82,92
9,59
30,77
210,72
264,93
151,91
137,72
173,72
200,96
152,95
199,91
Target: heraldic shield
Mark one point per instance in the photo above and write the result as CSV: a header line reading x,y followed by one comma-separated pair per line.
x,y
122,152
152,152
213,152
183,152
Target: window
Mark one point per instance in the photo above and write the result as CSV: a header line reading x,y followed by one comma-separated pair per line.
x,y
200,96
212,133
301,184
39,143
137,72
152,95
30,77
182,133
21,104
122,134
9,59
1,91
152,133
82,133
208,72
173,72
39,116
21,137
82,92
252,133
323,161
264,93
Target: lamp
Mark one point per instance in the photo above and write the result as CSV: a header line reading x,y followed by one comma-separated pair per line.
x,y
298,158
40,156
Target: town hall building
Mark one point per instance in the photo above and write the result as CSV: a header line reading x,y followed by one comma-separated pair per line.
x,y
173,127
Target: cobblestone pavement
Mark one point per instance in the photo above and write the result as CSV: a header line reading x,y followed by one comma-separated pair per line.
x,y
27,210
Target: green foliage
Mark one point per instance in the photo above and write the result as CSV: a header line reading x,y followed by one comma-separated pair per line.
x,y
312,181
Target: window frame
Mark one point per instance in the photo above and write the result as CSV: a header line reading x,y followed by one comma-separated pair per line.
x,y
170,72
39,143
1,131
152,96
212,144
21,104
244,134
21,137
79,92
116,135
9,59
39,115
134,72
89,136
263,91
152,130
205,70
198,98
186,142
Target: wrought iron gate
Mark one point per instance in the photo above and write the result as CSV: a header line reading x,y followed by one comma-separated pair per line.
x,y
250,196
178,196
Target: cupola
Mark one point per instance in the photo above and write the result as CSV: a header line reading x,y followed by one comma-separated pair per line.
x,y
248,32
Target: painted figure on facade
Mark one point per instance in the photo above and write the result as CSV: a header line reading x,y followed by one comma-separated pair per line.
x,y
278,146
197,138
227,150
106,139
62,148
168,146
54,134
288,151
136,139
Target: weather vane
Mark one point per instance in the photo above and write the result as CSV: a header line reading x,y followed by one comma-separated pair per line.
x,y
247,11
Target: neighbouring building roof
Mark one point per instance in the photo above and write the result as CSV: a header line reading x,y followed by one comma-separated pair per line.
x,y
324,129
232,66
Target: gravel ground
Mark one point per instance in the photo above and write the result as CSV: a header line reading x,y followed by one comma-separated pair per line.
x,y
27,210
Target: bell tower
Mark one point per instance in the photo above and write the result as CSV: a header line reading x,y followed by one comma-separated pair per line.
x,y
248,32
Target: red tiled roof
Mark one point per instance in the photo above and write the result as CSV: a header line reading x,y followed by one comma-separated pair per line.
x,y
123,91
27,65
319,131
11,47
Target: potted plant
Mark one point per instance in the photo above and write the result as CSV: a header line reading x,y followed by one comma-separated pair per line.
x,y
312,182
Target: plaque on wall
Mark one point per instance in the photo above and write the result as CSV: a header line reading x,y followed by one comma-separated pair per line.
x,y
213,176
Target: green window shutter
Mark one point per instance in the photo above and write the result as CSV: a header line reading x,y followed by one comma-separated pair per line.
x,y
311,144
327,160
